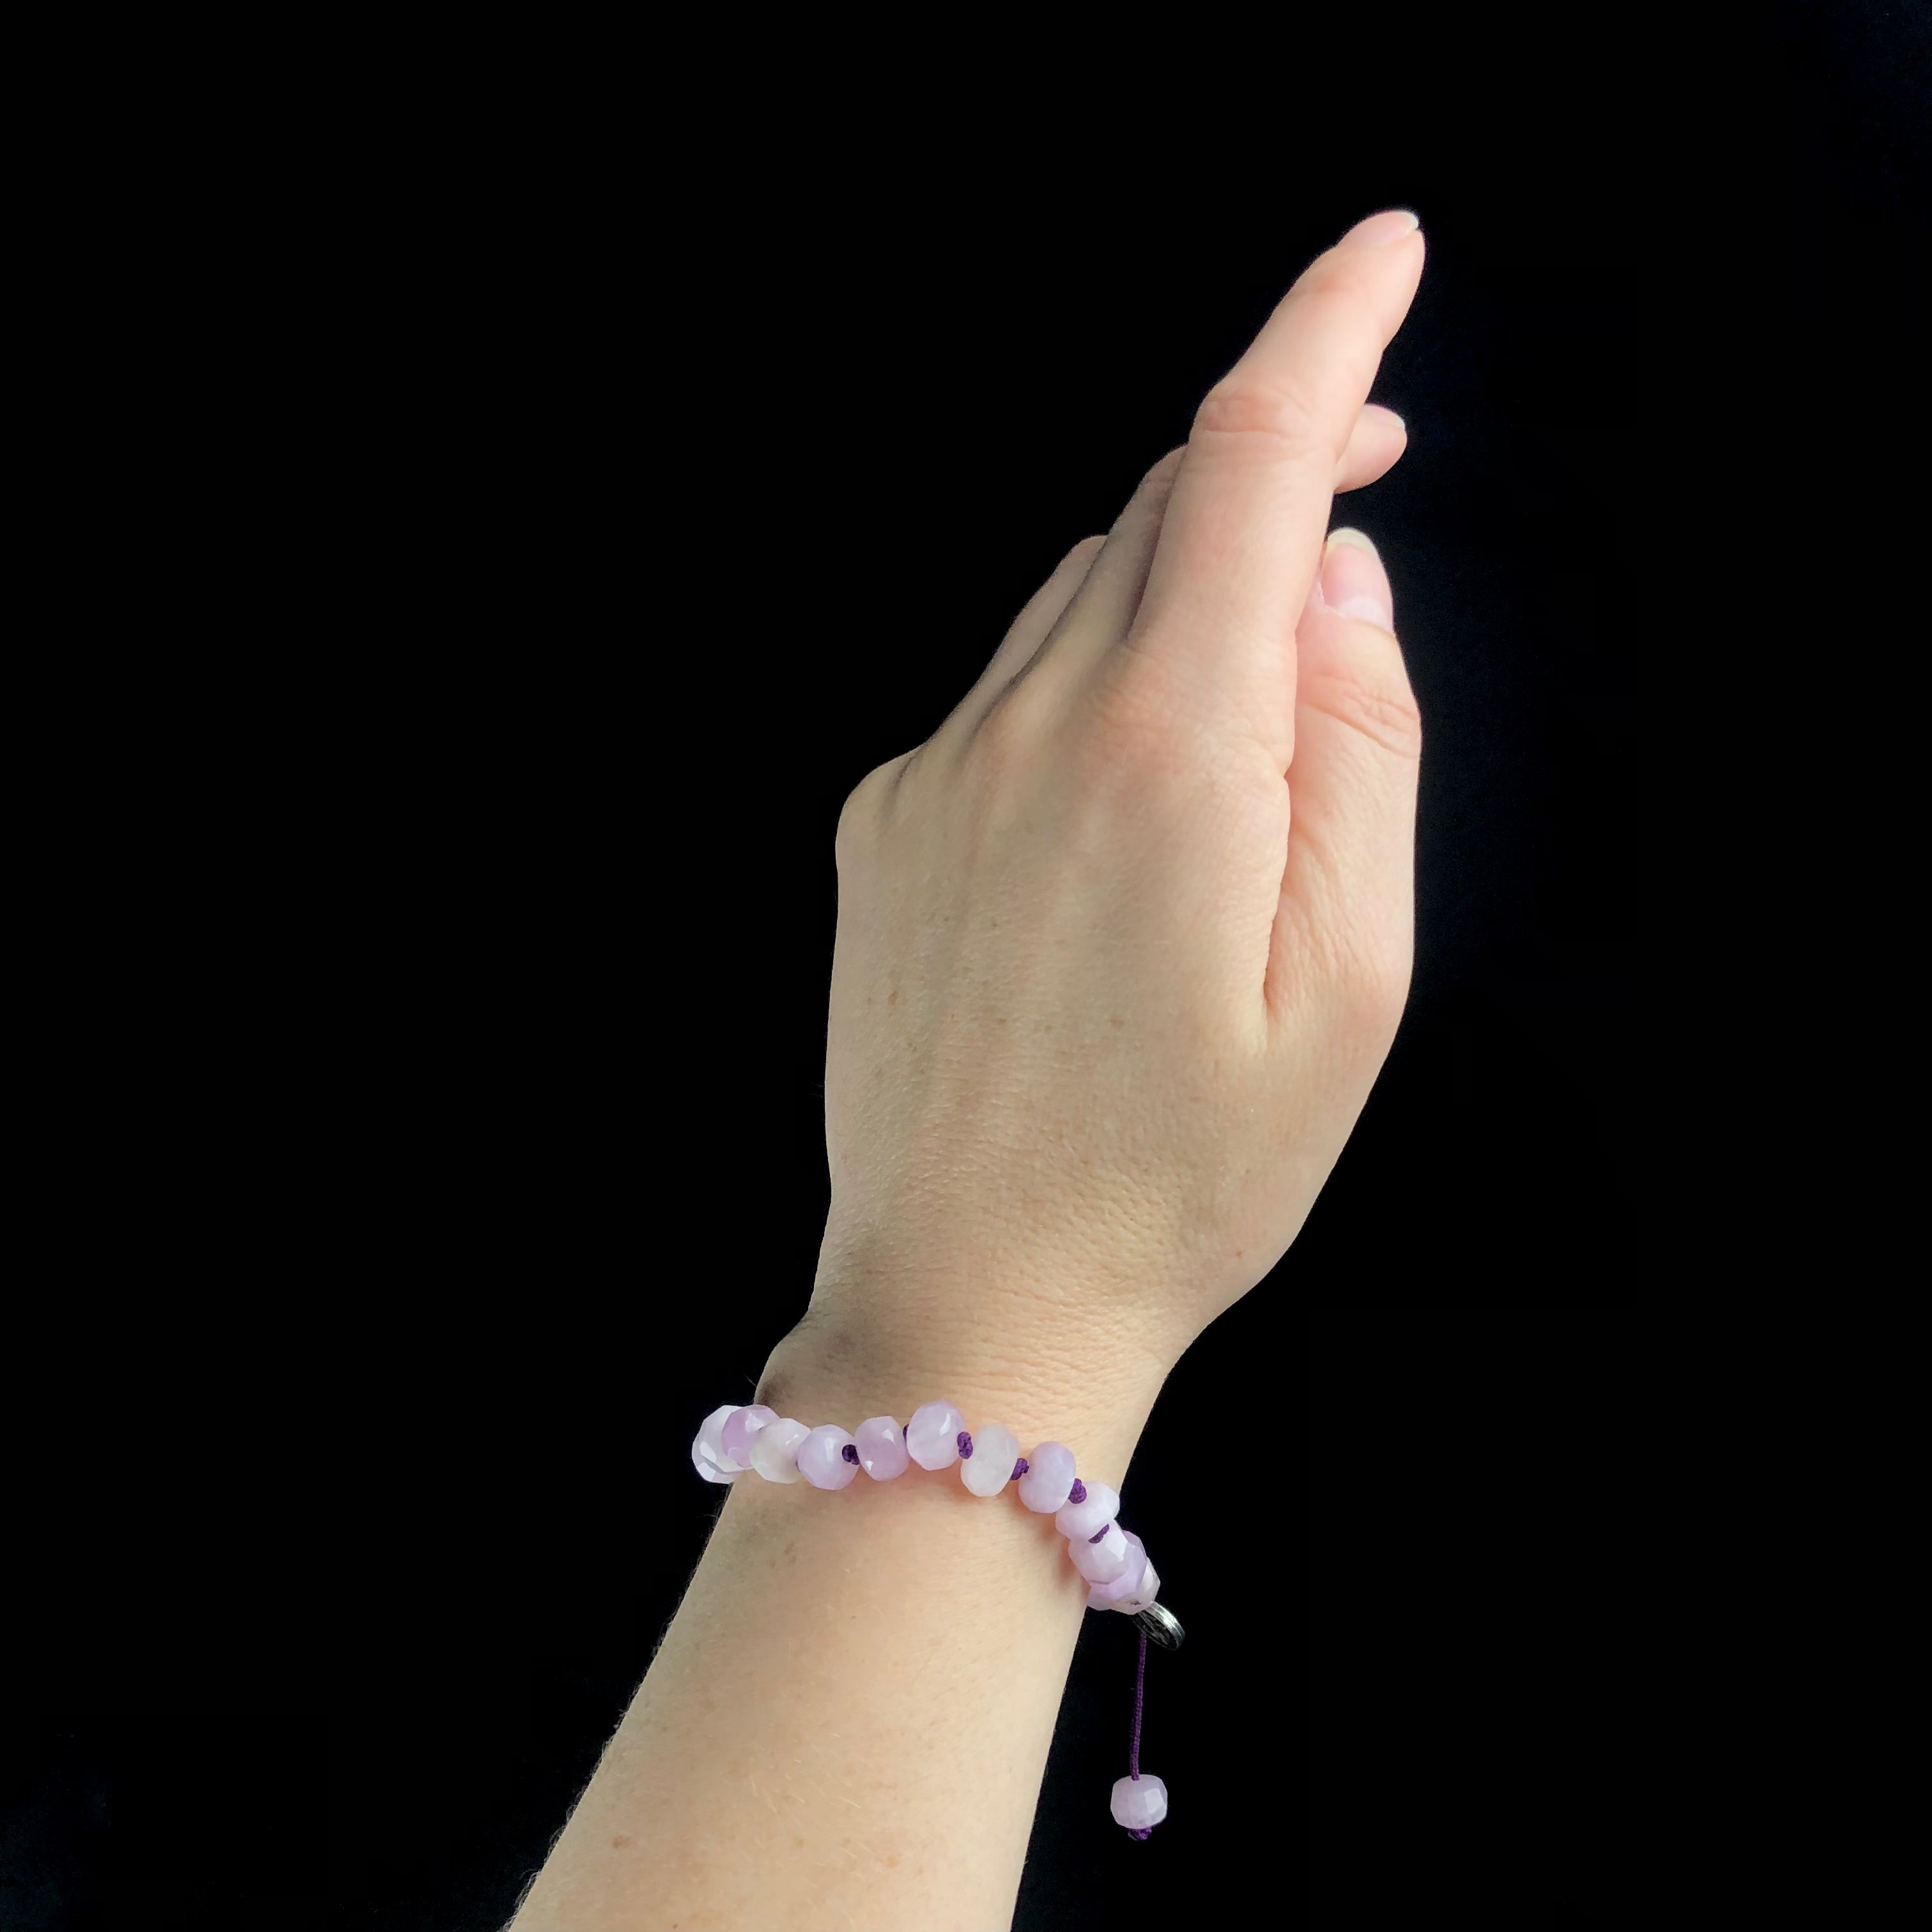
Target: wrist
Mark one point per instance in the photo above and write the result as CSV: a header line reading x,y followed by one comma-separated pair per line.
x,y
883,1335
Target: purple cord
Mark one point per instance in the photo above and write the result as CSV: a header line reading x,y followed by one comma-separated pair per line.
x,y
1140,1692
1077,1494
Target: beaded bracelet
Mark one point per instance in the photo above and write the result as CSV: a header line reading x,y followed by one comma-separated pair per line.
x,y
1113,1561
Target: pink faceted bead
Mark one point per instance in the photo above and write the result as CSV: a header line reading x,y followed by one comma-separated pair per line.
x,y
774,1449
932,1435
990,1468
1139,1803
1081,1519
882,1448
821,1458
707,1449
1100,1562
1134,1588
1049,1476
740,1427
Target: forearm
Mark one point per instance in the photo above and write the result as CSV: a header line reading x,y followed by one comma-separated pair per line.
x,y
848,1718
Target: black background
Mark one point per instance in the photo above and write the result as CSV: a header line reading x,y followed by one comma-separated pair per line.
x,y
707,467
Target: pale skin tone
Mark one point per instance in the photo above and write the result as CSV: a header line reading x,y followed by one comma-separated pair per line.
x,y
1121,948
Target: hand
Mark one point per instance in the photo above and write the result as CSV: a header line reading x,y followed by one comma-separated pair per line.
x,y
1120,950
1122,946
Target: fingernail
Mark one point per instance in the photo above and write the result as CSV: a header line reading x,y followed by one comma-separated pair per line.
x,y
1353,580
1391,225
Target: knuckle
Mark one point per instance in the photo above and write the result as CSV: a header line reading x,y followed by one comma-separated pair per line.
x,y
1378,980
863,816
1240,409
1366,953
853,830
1144,753
1004,737
1382,710
1372,991
1334,285
1339,305
1158,479
1136,720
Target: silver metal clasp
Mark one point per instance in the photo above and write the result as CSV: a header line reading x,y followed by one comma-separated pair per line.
x,y
1161,1624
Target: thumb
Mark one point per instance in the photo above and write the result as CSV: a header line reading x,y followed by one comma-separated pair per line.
x,y
1347,912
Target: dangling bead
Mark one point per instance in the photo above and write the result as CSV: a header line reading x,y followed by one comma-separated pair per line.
x,y
1139,1800
1139,1803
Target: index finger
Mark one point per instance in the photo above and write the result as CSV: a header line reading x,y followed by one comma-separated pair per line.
x,y
1243,535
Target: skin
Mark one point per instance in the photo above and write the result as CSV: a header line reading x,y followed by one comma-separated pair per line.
x,y
1121,948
